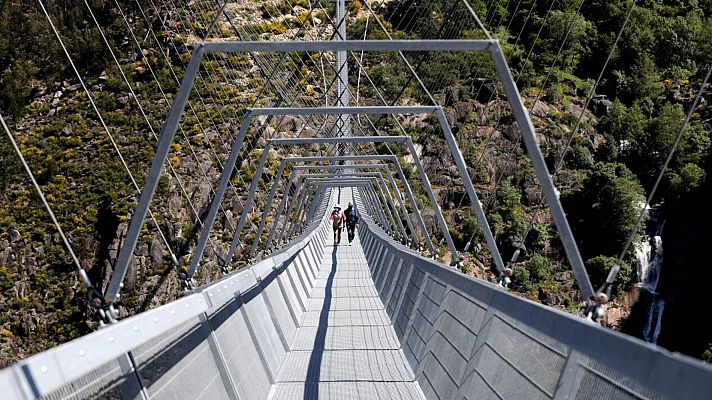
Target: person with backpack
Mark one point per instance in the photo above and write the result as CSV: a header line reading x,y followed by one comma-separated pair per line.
x,y
337,218
351,218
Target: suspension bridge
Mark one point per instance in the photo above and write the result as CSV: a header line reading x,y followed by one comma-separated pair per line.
x,y
307,318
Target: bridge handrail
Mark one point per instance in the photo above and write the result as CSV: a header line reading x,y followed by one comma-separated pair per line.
x,y
48,371
670,374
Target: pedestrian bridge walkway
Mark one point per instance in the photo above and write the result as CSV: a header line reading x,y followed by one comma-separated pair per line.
x,y
345,346
375,320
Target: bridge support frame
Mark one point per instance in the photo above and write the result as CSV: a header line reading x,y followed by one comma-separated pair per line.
x,y
492,46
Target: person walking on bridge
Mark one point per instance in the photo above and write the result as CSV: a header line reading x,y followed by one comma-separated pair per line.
x,y
351,219
337,218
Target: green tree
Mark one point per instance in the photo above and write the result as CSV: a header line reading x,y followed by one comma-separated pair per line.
x,y
603,212
599,267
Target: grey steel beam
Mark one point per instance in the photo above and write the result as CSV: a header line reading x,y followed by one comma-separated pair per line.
x,y
550,193
370,199
219,194
171,124
399,198
391,158
341,184
363,110
467,181
411,148
382,186
297,196
387,199
268,207
348,45
230,165
298,213
319,198
280,208
389,217
350,139
377,208
285,161
386,193
419,216
247,205
165,140
438,212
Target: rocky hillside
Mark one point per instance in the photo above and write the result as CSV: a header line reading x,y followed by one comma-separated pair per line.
x,y
609,167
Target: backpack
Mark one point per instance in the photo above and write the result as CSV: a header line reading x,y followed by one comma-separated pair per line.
x,y
337,219
351,216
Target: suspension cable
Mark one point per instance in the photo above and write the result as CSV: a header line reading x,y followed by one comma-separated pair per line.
x,y
75,260
143,114
560,161
675,144
106,128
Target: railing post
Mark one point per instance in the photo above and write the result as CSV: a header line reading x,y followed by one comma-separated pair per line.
x,y
219,358
132,387
570,379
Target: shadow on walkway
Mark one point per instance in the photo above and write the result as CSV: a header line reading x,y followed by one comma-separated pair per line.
x,y
311,385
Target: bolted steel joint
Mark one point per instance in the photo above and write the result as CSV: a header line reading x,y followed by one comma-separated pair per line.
x,y
505,277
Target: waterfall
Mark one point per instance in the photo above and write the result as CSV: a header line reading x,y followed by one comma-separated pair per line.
x,y
649,268
649,254
654,321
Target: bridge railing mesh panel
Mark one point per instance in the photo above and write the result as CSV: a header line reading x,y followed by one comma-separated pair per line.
x,y
106,382
184,356
598,381
215,343
469,339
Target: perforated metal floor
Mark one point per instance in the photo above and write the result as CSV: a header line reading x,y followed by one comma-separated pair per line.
x,y
346,347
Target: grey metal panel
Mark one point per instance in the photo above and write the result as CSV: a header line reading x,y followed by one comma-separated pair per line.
x,y
303,267
292,282
106,381
403,315
241,353
382,260
523,349
398,291
415,343
435,380
184,357
278,302
11,386
391,284
597,381
264,330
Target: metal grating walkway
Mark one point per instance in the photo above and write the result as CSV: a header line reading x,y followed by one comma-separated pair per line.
x,y
345,347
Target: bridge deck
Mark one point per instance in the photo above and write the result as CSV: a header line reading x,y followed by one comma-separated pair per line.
x,y
345,347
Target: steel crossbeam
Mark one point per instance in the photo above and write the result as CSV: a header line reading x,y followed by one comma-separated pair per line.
x,y
393,159
387,204
232,159
383,185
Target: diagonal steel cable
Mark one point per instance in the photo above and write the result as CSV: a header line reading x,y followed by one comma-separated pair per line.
x,y
106,128
82,272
